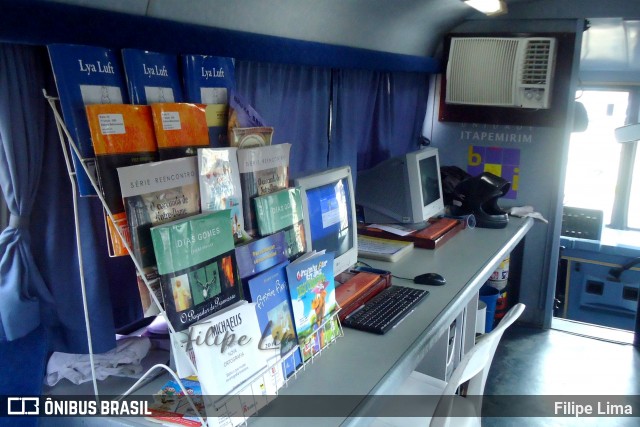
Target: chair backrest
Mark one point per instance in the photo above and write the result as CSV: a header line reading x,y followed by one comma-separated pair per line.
x,y
474,366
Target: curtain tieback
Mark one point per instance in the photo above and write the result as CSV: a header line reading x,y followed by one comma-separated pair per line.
x,y
16,221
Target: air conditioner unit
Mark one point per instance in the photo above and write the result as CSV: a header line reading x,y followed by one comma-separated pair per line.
x,y
501,71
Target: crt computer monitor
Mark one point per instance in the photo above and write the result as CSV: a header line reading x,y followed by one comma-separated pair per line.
x,y
405,189
329,215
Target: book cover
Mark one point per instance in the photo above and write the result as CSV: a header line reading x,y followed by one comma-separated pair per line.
x,y
226,349
85,75
170,404
122,135
270,292
250,137
151,76
313,301
181,128
260,254
282,211
209,80
220,188
153,194
263,170
197,266
382,249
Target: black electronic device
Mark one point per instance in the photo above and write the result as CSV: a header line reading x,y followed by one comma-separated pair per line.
x,y
430,279
479,196
384,311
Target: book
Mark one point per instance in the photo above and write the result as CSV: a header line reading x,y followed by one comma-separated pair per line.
x,y
85,75
151,76
313,301
250,137
220,188
437,232
153,194
282,211
197,266
260,254
226,349
269,290
263,170
170,404
382,249
122,135
181,128
246,128
208,80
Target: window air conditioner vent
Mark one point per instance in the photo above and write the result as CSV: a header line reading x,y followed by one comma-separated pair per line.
x,y
500,71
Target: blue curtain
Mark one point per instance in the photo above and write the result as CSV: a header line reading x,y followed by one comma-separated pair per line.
x,y
22,141
376,115
295,101
51,278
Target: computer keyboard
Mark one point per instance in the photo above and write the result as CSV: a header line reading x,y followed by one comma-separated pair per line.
x,y
385,310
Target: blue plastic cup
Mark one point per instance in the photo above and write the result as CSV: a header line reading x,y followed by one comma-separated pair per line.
x,y
489,295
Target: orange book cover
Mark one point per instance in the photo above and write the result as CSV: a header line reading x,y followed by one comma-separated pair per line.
x,y
122,135
181,128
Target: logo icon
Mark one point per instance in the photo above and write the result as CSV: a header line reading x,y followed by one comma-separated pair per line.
x,y
23,406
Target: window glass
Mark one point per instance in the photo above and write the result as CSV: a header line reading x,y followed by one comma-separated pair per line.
x,y
594,155
633,215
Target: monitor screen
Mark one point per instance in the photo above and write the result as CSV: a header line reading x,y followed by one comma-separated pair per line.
x,y
429,180
329,215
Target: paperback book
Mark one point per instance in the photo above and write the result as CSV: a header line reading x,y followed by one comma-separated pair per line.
x,y
246,127
226,349
171,405
181,128
282,211
153,194
220,188
208,80
197,266
263,170
270,292
122,135
151,76
313,300
260,254
85,75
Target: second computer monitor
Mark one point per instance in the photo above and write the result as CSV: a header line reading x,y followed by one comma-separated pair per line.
x,y
404,189
329,209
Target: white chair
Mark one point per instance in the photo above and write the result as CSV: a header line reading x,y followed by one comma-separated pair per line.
x,y
470,376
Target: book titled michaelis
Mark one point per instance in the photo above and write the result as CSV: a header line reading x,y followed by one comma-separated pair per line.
x,y
263,170
85,75
122,135
153,194
197,266
282,211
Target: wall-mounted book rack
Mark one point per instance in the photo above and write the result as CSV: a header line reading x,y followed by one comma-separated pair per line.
x,y
224,408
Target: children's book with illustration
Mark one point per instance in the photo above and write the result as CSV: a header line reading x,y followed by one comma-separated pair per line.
x,y
197,266
227,351
153,194
220,188
170,404
181,128
209,80
313,300
151,76
263,170
122,135
85,75
282,211
269,290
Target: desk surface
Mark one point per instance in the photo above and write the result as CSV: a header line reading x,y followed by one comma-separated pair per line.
x,y
361,364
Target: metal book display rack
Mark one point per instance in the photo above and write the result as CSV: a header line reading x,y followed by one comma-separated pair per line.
x,y
223,408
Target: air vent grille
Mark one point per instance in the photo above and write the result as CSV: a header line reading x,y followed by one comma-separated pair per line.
x,y
535,69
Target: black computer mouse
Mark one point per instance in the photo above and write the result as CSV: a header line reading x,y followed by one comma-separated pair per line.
x,y
431,279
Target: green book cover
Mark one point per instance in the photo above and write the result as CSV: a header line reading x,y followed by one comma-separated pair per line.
x,y
282,210
197,266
